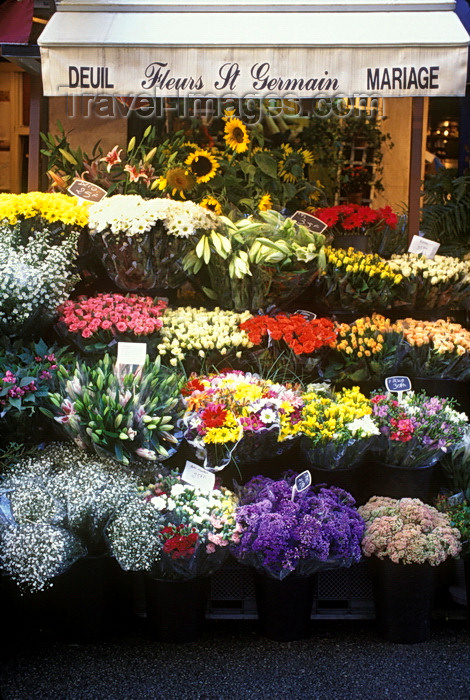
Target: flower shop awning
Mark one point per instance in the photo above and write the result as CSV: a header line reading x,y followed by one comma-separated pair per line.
x,y
246,48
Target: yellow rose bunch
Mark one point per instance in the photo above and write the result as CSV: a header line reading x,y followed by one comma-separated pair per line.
x,y
438,349
199,338
369,348
354,280
442,281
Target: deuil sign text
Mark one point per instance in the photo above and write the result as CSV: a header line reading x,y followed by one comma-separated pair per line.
x,y
89,77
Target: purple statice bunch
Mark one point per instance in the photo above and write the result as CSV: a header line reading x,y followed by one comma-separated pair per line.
x,y
416,429
320,528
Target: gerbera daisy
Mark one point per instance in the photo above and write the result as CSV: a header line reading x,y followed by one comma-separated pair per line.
x,y
265,203
212,204
179,179
236,135
203,165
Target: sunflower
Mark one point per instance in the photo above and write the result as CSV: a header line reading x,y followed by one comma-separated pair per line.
x,y
179,179
307,156
212,204
236,135
265,203
203,165
291,167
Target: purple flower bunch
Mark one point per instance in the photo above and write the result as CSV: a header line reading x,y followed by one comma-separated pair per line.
x,y
319,528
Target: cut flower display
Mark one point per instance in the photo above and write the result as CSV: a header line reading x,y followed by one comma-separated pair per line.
x,y
407,531
417,429
337,428
239,415
318,529
347,219
190,529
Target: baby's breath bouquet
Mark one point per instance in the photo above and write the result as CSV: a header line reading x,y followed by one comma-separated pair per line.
x,y
202,339
174,530
432,283
127,416
408,531
337,428
36,276
268,258
141,242
356,281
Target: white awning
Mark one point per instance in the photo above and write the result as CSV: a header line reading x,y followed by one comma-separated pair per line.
x,y
255,48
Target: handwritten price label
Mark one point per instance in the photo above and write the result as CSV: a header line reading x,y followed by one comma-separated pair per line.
x,y
398,383
309,221
302,482
87,191
196,475
423,246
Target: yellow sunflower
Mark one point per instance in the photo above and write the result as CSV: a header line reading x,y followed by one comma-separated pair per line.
x,y
179,179
236,135
212,204
265,203
203,165
307,156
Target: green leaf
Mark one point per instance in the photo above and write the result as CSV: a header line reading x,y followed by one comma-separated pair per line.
x,y
119,452
266,164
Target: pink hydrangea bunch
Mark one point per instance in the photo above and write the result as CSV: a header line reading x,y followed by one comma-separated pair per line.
x,y
408,531
102,318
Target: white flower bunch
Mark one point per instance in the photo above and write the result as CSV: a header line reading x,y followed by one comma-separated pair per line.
x,y
32,554
363,427
132,215
189,329
35,276
134,535
437,270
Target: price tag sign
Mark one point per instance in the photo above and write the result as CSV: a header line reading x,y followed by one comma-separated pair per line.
x,y
398,385
302,482
86,190
198,476
456,499
423,246
309,315
309,221
130,359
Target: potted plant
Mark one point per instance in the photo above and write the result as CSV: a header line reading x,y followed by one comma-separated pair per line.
x,y
406,539
416,430
288,536
179,535
124,412
239,416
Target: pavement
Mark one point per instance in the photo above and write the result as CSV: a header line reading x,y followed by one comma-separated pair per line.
x,y
339,660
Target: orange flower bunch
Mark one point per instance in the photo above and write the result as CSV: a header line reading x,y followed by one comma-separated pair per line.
x,y
302,335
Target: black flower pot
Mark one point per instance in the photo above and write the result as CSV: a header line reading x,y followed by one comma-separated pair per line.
x,y
176,609
403,599
284,607
397,481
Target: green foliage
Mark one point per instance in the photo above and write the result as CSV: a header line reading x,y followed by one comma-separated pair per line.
x,y
446,211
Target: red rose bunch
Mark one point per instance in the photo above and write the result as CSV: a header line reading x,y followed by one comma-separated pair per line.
x,y
302,335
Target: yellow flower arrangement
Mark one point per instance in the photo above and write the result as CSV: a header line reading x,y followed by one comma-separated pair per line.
x,y
50,207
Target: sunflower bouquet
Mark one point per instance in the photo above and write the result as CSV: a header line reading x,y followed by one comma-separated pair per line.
x,y
438,349
141,242
269,259
369,349
356,281
239,416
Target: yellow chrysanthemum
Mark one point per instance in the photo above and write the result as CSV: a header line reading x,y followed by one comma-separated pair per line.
x,y
179,179
212,204
203,165
236,135
265,203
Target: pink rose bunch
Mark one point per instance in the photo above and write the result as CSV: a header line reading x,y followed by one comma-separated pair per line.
x,y
108,315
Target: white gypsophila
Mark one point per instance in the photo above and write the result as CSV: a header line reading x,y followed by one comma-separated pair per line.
x,y
132,215
34,553
133,535
36,276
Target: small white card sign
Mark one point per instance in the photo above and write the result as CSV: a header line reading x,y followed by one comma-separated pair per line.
x,y
302,482
131,353
197,476
423,246
86,190
309,315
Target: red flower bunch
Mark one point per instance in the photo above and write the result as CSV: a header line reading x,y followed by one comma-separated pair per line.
x,y
345,218
112,313
302,335
178,543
